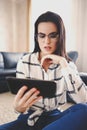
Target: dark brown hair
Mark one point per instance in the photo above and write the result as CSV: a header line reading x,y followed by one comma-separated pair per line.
x,y
57,20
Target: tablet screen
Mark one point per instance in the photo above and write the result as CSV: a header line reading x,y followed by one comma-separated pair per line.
x,y
47,88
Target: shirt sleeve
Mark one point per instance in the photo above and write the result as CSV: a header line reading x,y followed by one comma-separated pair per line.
x,y
20,69
75,87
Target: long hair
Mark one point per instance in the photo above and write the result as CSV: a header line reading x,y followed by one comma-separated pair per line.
x,y
57,20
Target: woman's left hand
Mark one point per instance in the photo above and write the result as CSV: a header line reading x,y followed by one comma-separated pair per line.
x,y
56,59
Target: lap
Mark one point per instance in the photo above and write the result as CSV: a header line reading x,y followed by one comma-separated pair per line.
x,y
67,120
21,122
74,118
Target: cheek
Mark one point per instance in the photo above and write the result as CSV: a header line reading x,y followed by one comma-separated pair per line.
x,y
54,46
40,45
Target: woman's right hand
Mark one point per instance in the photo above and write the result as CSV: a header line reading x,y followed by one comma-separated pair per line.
x,y
24,100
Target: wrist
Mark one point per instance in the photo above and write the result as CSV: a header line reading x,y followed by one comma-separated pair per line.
x,y
17,112
63,63
23,111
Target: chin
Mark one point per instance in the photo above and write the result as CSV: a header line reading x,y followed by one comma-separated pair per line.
x,y
44,52
47,53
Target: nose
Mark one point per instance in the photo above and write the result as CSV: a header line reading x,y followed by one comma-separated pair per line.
x,y
47,40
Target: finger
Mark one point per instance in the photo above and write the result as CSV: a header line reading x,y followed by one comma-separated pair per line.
x,y
21,93
27,95
20,102
34,101
47,57
32,98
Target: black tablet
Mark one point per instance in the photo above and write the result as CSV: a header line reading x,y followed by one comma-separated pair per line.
x,y
47,88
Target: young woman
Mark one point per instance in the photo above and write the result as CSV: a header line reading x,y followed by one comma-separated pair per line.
x,y
49,61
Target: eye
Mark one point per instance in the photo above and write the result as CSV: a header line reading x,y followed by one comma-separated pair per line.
x,y
40,35
53,35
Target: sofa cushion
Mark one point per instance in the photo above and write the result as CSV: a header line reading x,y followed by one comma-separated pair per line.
x,y
83,77
11,59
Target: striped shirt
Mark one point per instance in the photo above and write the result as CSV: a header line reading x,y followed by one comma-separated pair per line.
x,y
67,80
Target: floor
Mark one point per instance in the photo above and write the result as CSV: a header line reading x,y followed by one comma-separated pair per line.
x,y
7,113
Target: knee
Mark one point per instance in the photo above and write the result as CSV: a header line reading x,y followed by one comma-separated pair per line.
x,y
82,106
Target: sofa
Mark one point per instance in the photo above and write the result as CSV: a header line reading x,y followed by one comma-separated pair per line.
x,y
8,63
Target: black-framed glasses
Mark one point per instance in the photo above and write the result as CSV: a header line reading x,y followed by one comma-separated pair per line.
x,y
51,36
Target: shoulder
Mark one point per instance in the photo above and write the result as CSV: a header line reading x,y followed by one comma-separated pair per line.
x,y
72,65
28,56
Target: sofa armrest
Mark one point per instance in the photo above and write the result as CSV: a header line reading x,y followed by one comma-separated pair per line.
x,y
83,77
73,55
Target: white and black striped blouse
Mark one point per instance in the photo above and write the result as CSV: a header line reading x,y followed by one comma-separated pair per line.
x,y
67,79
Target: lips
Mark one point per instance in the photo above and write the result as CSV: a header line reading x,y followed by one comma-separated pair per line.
x,y
47,48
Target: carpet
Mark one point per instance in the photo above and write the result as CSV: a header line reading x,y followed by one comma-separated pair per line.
x,y
7,113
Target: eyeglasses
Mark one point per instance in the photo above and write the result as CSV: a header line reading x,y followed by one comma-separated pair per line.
x,y
51,36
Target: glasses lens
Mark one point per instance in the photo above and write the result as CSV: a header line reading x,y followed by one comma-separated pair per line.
x,y
53,35
41,35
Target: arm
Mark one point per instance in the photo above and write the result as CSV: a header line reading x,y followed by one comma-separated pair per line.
x,y
20,71
24,100
75,87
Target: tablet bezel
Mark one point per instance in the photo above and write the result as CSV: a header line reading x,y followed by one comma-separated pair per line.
x,y
47,88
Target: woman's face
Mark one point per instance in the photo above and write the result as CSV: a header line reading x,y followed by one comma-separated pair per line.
x,y
47,37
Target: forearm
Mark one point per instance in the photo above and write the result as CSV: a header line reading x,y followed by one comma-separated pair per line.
x,y
74,85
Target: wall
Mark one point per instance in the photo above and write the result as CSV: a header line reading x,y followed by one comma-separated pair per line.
x,y
20,29
6,25
13,25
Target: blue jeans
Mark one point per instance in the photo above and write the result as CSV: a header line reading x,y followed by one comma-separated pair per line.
x,y
21,122
74,118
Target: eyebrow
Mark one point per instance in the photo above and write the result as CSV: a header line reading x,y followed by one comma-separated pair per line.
x,y
48,34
